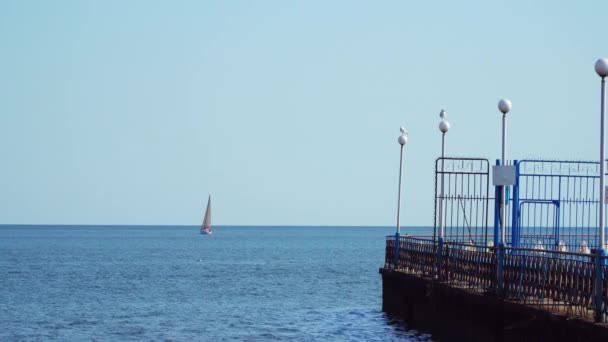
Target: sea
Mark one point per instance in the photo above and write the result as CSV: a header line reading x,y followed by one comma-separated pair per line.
x,y
170,283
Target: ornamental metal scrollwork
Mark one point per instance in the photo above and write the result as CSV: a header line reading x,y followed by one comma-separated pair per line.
x,y
559,168
462,165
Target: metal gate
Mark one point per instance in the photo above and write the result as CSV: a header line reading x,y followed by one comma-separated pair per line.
x,y
555,205
461,199
546,212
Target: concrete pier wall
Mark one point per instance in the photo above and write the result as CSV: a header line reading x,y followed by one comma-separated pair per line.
x,y
453,314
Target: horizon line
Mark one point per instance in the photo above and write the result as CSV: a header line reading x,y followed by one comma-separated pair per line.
x,y
196,225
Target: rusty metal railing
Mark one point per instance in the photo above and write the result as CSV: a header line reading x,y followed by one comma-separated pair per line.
x,y
561,282
558,281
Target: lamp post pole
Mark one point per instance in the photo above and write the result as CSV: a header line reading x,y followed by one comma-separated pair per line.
x,y
444,126
601,68
402,141
504,106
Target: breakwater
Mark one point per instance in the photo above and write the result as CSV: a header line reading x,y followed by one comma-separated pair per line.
x,y
455,314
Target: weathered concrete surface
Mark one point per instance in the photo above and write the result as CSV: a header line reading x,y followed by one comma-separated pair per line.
x,y
452,314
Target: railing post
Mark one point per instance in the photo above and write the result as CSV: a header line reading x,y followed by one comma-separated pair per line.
x,y
515,209
557,204
439,258
599,277
497,194
397,246
499,249
500,261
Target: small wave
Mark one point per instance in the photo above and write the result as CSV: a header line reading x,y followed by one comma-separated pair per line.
x,y
231,263
131,331
82,322
288,330
358,313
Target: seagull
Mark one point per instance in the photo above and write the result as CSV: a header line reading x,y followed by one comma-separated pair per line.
x,y
539,246
561,247
584,249
489,246
471,246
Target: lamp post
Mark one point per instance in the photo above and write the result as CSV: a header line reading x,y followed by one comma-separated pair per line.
x,y
601,68
444,126
402,141
504,106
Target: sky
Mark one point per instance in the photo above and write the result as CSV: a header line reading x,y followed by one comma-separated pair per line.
x,y
286,112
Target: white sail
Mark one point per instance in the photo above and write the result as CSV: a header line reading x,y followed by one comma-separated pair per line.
x,y
206,226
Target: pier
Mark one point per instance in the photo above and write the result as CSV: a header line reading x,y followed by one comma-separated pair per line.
x,y
542,276
518,250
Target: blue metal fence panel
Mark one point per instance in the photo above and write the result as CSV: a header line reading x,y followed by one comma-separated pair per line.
x,y
557,205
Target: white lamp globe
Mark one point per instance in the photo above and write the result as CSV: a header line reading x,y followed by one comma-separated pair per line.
x,y
402,140
601,67
504,106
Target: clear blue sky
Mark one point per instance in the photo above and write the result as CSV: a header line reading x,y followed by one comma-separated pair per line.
x,y
287,112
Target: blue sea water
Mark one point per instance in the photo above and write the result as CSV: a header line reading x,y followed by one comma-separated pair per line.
x,y
133,283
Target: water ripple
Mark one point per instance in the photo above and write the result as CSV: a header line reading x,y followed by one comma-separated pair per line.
x,y
242,284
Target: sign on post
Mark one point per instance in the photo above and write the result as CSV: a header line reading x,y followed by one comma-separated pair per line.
x,y
503,175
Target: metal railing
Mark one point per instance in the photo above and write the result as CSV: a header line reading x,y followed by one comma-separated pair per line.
x,y
472,267
562,282
416,255
559,281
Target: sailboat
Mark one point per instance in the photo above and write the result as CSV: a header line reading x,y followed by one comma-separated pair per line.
x,y
206,226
